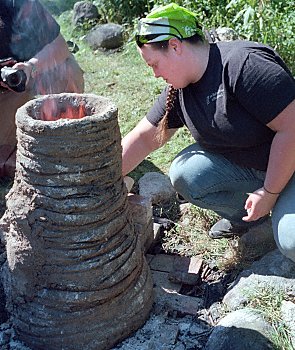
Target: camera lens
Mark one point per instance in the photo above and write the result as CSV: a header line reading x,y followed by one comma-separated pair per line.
x,y
14,79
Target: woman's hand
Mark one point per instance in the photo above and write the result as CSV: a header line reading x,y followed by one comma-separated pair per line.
x,y
259,204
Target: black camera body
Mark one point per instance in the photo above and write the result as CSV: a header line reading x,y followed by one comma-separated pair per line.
x,y
15,79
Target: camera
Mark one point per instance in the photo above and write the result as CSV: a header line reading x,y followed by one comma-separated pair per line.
x,y
14,78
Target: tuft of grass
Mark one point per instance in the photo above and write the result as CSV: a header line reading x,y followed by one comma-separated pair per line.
x,y
268,300
189,236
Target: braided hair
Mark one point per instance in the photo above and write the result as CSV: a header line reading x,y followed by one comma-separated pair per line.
x,y
163,125
172,92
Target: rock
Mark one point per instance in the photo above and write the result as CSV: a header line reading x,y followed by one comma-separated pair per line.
x,y
288,316
187,274
5,153
257,242
272,264
273,270
129,182
196,329
243,329
240,294
141,212
84,11
157,187
105,36
4,338
162,262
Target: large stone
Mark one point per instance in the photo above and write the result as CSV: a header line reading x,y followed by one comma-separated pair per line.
x,y
288,316
272,264
241,330
106,36
84,11
157,187
241,293
274,271
257,242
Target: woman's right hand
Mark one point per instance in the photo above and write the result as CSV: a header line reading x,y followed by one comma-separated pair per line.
x,y
29,69
259,204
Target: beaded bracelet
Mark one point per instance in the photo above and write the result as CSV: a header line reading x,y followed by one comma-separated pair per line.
x,y
270,192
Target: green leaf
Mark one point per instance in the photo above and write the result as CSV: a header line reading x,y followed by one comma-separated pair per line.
x,y
249,14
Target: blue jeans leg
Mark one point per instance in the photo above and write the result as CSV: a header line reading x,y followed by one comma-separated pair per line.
x,y
283,220
211,181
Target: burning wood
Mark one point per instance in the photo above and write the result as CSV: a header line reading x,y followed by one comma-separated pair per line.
x,y
75,276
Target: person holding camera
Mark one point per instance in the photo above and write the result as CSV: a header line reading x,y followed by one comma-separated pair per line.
x,y
238,101
34,59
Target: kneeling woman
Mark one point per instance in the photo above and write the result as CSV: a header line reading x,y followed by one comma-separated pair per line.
x,y
238,101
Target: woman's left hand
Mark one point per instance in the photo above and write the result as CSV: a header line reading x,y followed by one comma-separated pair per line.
x,y
259,204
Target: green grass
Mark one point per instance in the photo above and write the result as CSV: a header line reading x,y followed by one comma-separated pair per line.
x,y
268,301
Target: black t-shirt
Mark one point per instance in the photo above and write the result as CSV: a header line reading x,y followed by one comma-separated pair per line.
x,y
25,28
244,87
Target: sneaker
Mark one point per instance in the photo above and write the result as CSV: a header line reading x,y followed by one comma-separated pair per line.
x,y
225,229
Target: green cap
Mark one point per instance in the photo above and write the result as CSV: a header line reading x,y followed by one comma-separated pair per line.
x,y
166,22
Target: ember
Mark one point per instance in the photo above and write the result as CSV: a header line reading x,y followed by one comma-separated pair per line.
x,y
75,277
51,112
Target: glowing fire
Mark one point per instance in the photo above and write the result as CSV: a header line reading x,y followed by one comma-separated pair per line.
x,y
50,111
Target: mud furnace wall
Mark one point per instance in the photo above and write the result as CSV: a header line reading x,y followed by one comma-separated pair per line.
x,y
75,276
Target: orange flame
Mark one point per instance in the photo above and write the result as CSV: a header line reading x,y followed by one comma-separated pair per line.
x,y
50,111
73,113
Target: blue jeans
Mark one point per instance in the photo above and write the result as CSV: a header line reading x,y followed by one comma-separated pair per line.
x,y
211,181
